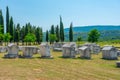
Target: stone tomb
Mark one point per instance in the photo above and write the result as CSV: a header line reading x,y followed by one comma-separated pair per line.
x,y
45,50
95,49
85,52
69,50
57,46
12,51
28,51
109,52
75,46
3,49
118,64
118,53
20,48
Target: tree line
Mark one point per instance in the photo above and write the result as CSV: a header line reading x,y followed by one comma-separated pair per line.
x,y
16,33
28,33
56,34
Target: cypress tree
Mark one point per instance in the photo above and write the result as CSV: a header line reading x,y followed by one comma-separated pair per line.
x,y
41,35
61,30
52,31
14,33
38,35
1,22
71,33
11,28
26,29
57,33
34,29
47,36
17,33
22,34
7,20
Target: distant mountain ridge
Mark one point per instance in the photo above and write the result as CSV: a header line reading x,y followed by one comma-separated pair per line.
x,y
98,27
108,32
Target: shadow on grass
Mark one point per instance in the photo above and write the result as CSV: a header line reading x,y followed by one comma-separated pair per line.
x,y
110,59
50,58
75,58
84,58
66,57
8,58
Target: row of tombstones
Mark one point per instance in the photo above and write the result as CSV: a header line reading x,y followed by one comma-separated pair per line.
x,y
68,50
27,51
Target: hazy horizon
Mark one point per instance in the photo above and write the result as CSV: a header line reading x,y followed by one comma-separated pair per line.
x,y
44,13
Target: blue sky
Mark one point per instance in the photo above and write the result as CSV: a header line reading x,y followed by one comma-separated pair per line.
x,y
44,13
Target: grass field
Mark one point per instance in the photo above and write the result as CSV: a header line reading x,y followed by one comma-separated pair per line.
x,y
58,68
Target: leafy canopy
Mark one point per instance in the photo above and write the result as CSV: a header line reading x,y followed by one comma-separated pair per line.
x,y
7,37
30,37
93,35
52,37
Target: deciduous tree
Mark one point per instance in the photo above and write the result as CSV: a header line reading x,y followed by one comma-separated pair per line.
x,y
93,35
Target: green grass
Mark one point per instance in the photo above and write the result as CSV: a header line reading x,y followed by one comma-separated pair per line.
x,y
58,68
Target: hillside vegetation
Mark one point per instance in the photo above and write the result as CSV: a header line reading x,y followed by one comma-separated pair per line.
x,y
107,32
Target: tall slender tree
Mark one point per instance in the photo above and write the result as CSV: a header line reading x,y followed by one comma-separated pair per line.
x,y
11,27
41,35
71,32
22,34
38,35
61,30
7,20
26,29
52,31
14,33
47,36
1,22
17,33
57,34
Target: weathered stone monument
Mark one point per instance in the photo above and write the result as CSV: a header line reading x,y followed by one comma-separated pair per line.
x,y
69,50
20,48
109,52
57,46
3,49
28,51
85,52
45,50
12,51
118,53
95,49
118,64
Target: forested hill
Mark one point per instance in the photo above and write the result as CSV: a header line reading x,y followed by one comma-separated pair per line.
x,y
108,32
89,28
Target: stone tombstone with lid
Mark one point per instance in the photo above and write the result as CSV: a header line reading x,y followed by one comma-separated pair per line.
x,y
85,52
95,49
118,53
109,52
12,51
45,50
69,50
57,46
3,49
75,46
118,64
28,51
